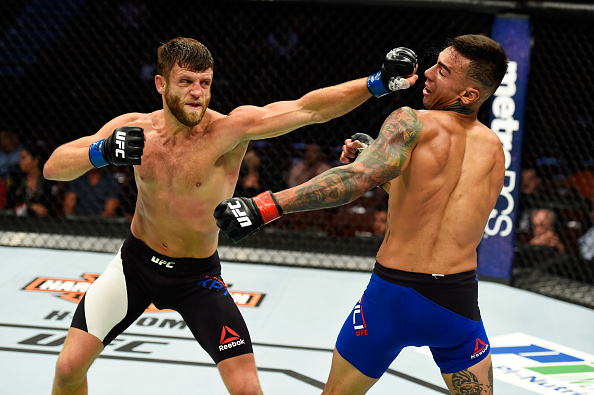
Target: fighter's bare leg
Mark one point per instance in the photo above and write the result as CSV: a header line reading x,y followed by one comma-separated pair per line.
x,y
79,351
345,379
240,375
476,380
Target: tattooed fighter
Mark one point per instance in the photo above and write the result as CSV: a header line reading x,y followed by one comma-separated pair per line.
x,y
444,171
186,159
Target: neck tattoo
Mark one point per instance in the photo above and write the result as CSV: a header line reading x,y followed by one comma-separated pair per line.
x,y
459,108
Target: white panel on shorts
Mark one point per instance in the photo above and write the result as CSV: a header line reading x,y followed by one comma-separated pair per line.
x,y
106,301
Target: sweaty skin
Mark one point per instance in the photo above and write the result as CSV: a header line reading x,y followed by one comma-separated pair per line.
x,y
444,171
192,154
440,204
177,186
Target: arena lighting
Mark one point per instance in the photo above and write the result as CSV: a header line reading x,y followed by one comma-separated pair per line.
x,y
477,5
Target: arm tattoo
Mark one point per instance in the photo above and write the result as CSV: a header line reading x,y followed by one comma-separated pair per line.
x,y
382,161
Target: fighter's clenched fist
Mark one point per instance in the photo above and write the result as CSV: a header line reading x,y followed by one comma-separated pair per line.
x,y
123,147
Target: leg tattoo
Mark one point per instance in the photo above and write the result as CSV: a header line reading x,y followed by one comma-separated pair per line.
x,y
466,383
490,386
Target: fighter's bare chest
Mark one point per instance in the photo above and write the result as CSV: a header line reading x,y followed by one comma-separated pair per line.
x,y
180,166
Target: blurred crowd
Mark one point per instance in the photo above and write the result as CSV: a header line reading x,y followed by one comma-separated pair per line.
x,y
24,192
556,213
555,217
110,192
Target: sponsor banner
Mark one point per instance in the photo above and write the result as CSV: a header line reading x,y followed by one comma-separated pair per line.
x,y
74,289
496,250
540,366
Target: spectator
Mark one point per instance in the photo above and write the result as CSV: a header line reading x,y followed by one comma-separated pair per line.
x,y
583,182
586,241
30,194
283,41
2,194
10,151
312,164
127,193
543,230
249,176
380,220
531,181
532,196
94,194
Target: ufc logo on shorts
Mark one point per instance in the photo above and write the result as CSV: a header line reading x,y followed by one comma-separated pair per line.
x,y
120,141
359,320
240,215
162,262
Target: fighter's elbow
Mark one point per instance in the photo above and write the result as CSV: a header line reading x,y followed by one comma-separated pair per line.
x,y
54,172
49,172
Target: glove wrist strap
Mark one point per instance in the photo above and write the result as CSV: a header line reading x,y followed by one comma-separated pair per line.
x,y
375,85
268,206
96,154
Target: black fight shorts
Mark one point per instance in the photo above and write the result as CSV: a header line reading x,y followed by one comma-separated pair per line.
x,y
139,276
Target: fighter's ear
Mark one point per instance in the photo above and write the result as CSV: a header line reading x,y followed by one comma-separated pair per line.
x,y
470,96
160,84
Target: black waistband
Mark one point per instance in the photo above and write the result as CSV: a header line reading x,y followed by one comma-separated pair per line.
x,y
136,247
414,280
455,292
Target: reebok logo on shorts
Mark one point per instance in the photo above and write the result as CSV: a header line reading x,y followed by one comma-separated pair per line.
x,y
480,348
229,339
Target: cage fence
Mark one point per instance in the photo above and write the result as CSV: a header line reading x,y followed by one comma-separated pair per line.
x,y
69,66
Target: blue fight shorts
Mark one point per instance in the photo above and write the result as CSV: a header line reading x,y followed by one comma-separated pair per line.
x,y
400,309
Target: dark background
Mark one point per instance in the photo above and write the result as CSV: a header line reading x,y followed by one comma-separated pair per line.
x,y
69,66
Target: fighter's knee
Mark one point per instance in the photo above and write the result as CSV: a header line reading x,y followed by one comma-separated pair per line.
x,y
68,371
245,389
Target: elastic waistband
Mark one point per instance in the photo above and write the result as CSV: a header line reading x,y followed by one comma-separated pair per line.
x,y
415,280
137,248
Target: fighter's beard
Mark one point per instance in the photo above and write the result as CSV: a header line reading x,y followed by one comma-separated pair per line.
x,y
178,110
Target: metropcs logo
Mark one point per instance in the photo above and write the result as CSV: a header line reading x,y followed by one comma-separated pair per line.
x,y
73,290
505,126
229,339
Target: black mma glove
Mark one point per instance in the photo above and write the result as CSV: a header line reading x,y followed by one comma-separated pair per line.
x,y
123,147
240,217
364,139
398,63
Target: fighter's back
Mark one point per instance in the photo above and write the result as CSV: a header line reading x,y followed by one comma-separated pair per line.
x,y
440,204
